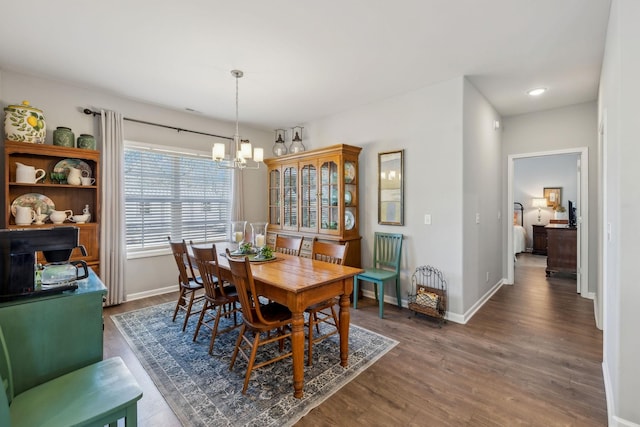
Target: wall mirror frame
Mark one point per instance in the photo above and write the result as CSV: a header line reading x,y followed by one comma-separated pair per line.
x,y
391,188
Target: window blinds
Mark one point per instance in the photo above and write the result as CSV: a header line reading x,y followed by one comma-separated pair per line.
x,y
177,194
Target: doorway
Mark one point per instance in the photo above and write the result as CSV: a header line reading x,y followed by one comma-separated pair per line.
x,y
582,276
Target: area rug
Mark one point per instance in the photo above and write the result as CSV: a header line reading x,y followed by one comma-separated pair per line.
x,y
203,392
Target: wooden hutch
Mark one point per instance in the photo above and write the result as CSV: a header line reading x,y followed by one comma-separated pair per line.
x,y
314,194
62,196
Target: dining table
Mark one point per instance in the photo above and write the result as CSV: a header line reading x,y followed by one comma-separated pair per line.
x,y
298,282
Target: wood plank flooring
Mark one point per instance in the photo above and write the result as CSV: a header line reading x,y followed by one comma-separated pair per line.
x,y
531,357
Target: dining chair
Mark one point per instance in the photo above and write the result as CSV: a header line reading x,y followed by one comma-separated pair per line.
x,y
288,245
324,312
220,299
387,249
188,281
257,320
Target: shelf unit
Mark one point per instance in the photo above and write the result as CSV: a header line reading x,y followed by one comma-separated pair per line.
x,y
64,196
314,194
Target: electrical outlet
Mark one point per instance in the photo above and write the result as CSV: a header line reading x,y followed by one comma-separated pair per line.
x,y
477,218
427,219
487,276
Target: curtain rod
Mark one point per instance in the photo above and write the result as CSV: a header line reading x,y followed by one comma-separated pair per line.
x,y
88,111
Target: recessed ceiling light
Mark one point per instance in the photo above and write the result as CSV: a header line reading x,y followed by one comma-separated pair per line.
x,y
537,91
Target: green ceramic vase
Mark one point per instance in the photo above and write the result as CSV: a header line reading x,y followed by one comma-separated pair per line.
x,y
86,141
63,137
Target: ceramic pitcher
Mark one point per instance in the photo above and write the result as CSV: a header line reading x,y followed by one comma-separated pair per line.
x,y
28,174
25,215
58,217
75,176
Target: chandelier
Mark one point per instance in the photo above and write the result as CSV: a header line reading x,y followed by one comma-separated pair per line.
x,y
242,151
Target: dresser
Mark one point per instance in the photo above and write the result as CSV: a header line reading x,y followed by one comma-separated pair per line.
x,y
561,249
539,240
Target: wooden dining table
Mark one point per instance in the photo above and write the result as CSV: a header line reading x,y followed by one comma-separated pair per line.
x,y
298,283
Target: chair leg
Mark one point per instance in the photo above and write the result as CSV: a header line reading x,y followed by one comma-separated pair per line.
x,y
237,348
205,307
355,292
179,303
398,296
380,291
310,350
214,331
186,316
252,359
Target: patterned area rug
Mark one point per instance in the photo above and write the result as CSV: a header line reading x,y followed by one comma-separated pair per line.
x,y
203,392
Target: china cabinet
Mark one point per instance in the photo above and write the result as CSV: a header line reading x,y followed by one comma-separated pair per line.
x,y
314,194
54,193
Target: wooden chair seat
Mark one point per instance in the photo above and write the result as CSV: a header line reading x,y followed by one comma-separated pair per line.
x,y
96,395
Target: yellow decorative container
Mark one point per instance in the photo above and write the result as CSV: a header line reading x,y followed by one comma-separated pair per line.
x,y
24,123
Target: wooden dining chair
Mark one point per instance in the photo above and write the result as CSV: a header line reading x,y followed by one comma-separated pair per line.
x,y
387,250
324,312
220,298
257,320
190,284
288,245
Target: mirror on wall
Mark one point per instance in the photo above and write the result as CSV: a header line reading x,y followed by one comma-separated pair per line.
x,y
391,188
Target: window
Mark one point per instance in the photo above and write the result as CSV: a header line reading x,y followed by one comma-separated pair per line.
x,y
173,193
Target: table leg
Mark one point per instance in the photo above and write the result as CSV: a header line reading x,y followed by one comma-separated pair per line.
x,y
344,329
297,344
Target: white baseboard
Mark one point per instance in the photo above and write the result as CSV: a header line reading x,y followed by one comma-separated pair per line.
x,y
454,317
614,420
151,293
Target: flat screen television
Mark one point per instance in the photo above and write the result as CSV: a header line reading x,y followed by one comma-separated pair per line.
x,y
572,214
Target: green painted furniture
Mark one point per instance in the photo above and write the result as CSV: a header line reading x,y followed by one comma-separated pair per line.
x,y
98,394
387,250
50,336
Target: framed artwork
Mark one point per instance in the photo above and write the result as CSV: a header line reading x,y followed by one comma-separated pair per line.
x,y
553,196
391,188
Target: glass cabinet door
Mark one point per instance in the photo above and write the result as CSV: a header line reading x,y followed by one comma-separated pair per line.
x,y
290,197
309,197
329,196
274,197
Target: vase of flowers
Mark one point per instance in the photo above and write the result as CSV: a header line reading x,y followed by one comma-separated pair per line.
x,y
560,212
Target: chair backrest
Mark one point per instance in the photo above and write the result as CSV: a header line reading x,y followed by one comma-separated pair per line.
x,y
246,288
387,249
181,256
329,252
288,245
209,269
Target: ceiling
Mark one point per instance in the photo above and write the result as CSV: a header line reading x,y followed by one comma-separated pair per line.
x,y
304,60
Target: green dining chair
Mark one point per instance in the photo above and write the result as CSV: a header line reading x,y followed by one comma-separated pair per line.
x,y
387,249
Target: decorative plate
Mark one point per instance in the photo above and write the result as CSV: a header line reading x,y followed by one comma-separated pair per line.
x,y
260,258
349,220
34,201
347,197
63,165
239,253
349,172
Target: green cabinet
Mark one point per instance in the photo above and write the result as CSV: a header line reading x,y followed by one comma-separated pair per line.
x,y
50,336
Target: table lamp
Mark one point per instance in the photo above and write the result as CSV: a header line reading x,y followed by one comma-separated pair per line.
x,y
539,202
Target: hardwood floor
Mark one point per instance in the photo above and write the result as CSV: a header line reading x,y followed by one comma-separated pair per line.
x,y
531,356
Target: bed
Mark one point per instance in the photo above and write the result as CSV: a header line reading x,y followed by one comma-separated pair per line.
x,y
519,233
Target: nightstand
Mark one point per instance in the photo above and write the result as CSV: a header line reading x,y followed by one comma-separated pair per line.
x,y
539,240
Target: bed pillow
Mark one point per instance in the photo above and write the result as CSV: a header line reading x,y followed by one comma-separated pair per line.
x,y
515,218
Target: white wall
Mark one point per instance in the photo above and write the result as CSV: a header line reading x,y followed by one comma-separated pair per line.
x,y
62,104
619,103
561,128
482,196
532,174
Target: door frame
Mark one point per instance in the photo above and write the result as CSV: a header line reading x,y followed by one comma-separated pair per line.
x,y
582,275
